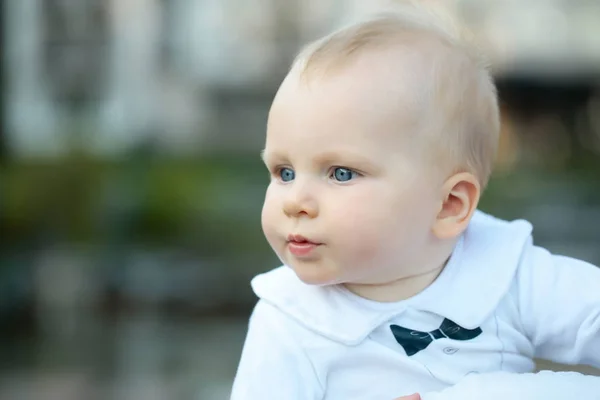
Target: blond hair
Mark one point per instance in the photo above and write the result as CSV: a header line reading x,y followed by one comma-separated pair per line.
x,y
466,138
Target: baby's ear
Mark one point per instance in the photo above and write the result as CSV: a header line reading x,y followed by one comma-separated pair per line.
x,y
460,197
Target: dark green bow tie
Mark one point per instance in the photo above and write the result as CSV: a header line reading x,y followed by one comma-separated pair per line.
x,y
414,341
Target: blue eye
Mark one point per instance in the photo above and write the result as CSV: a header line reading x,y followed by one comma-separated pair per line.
x,y
343,174
287,174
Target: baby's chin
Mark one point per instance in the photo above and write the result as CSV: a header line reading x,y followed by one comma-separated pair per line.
x,y
314,276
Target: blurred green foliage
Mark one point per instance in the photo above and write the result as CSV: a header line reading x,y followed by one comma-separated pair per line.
x,y
196,202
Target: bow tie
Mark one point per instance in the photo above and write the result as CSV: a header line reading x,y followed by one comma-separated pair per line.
x,y
414,341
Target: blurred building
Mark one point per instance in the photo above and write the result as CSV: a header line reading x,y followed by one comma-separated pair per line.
x,y
118,74
113,75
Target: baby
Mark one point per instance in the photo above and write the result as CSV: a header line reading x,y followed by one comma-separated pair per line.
x,y
379,143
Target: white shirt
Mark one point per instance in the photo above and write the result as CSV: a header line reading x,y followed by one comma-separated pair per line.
x,y
513,300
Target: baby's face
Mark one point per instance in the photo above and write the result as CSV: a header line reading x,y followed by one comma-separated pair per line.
x,y
348,202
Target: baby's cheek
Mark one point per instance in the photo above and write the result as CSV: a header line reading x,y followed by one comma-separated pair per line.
x,y
361,233
269,217
378,232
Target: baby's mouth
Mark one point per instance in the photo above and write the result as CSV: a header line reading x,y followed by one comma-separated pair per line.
x,y
301,240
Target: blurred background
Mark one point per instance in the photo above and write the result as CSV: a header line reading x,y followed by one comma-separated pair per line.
x,y
131,185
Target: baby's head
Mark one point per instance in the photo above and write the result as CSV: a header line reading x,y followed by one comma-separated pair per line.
x,y
379,142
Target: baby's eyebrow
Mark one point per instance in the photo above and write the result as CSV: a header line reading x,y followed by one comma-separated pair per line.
x,y
343,157
268,156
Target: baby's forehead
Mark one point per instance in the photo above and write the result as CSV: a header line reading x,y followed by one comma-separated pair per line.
x,y
353,96
396,84
333,116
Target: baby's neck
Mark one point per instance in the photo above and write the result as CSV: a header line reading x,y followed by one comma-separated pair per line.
x,y
405,287
397,290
